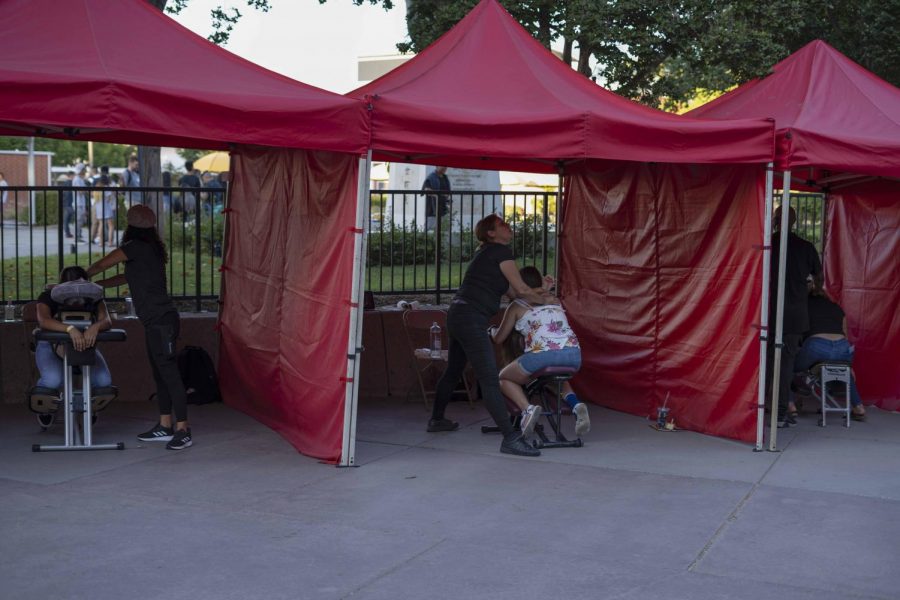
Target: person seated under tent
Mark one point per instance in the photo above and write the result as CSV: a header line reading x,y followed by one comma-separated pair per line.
x,y
74,300
548,342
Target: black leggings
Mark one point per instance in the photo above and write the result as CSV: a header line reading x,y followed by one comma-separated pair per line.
x,y
161,335
470,342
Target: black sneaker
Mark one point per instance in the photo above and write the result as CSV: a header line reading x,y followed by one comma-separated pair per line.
x,y
518,446
157,434
786,422
181,440
435,425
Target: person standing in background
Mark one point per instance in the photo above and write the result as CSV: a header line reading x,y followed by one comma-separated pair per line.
x,y
67,202
3,195
131,178
189,183
802,261
82,202
436,205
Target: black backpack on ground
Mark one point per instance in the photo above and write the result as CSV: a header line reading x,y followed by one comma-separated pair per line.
x,y
199,375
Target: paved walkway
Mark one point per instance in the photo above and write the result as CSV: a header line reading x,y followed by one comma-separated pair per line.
x,y
24,241
635,514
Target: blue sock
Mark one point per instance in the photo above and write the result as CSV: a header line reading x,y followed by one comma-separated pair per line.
x,y
571,399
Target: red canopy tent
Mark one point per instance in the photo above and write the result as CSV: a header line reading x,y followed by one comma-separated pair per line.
x,y
657,268
121,71
838,131
487,95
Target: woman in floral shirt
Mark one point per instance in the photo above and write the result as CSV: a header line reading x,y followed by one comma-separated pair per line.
x,y
549,342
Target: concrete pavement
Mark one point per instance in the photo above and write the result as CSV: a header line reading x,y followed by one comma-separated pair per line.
x,y
634,514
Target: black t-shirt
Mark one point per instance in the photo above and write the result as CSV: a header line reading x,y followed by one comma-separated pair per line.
x,y
825,316
145,272
484,282
802,261
189,181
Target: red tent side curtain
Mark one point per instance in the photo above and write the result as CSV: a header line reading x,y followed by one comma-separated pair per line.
x,y
660,272
862,270
287,282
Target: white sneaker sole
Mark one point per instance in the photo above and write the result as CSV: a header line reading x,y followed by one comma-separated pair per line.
x,y
164,438
529,420
582,419
186,445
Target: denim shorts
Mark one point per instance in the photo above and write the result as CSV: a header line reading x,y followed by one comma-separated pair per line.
x,y
535,361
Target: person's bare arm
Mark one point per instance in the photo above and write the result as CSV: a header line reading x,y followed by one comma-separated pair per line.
x,y
101,324
114,281
513,313
110,260
517,287
48,323
844,327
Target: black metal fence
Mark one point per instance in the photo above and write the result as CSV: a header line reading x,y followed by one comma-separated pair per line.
x,y
418,244
810,209
422,244
47,228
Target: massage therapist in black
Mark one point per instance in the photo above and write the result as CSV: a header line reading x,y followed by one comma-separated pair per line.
x,y
491,274
145,259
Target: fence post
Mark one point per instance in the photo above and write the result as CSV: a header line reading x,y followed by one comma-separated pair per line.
x,y
197,266
437,247
544,240
60,225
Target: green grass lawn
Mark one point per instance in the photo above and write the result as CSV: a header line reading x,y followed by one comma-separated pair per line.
x,y
422,277
24,279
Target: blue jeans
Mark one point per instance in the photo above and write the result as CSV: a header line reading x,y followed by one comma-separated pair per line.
x,y
535,361
51,368
816,350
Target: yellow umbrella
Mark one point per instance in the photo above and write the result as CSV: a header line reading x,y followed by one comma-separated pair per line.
x,y
217,162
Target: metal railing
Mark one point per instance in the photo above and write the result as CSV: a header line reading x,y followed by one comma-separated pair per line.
x,y
47,228
422,243
810,209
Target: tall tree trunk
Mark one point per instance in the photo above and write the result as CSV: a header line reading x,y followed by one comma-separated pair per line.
x,y
544,25
151,163
584,59
567,52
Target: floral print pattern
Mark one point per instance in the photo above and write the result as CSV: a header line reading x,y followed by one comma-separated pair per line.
x,y
546,328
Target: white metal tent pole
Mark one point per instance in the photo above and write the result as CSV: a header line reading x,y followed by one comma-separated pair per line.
x,y
560,190
779,319
764,311
354,346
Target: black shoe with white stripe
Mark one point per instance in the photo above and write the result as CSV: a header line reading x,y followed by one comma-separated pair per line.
x,y
181,440
157,434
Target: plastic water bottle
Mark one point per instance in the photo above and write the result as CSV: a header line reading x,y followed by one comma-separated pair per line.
x,y
129,308
9,313
435,340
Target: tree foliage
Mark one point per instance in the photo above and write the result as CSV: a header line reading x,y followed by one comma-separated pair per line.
x,y
68,152
661,52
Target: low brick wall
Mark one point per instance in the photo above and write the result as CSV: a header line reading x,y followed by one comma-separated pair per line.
x,y
387,368
127,360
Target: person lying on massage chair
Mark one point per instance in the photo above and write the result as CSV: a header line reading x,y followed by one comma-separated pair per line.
x,y
827,340
73,293
549,342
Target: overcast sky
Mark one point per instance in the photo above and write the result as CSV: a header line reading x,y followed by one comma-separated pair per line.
x,y
318,44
